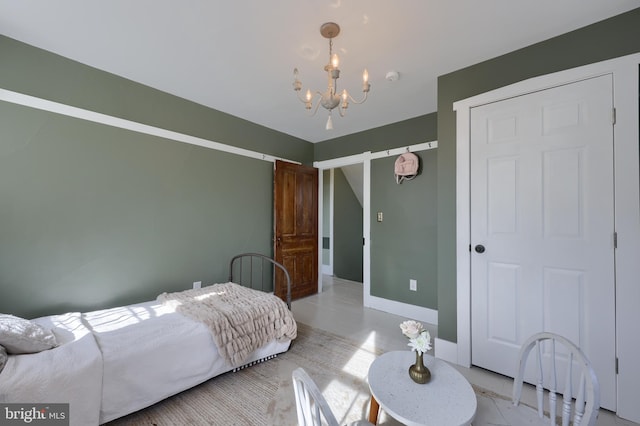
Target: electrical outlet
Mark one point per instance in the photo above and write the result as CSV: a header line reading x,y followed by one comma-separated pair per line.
x,y
413,285
197,284
380,216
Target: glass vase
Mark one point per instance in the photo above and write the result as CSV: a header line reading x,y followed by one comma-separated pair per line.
x,y
418,372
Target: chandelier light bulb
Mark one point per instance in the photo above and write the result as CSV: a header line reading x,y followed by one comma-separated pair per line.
x,y
335,61
365,75
345,101
308,97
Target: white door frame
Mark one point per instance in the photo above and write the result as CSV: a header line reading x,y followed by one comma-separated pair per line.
x,y
369,301
365,159
327,269
627,214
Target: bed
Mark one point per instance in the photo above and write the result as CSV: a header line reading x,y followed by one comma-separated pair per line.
x,y
112,362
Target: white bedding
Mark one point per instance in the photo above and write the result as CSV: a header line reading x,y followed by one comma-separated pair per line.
x,y
70,373
150,352
113,362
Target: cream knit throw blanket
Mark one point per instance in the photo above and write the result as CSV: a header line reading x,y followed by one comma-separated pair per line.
x,y
240,319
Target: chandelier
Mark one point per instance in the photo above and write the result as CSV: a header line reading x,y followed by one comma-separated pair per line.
x,y
330,99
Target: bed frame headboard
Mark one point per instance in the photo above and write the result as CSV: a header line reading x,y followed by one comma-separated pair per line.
x,y
239,264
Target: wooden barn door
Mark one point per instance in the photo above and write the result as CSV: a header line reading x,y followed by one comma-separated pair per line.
x,y
295,201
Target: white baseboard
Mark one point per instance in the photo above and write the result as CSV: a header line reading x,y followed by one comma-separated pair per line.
x,y
446,350
406,310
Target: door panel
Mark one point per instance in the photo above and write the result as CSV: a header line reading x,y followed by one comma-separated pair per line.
x,y
542,206
296,227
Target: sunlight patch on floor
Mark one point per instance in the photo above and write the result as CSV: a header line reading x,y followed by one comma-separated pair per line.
x,y
358,365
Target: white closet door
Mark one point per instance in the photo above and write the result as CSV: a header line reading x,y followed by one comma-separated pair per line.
x,y
542,209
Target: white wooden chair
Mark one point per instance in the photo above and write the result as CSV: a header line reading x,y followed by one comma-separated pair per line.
x,y
311,406
585,403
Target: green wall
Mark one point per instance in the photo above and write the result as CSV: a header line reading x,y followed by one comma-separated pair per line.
x,y
26,69
347,230
94,216
608,39
408,132
403,245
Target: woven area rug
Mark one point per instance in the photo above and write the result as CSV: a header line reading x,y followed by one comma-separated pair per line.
x,y
263,394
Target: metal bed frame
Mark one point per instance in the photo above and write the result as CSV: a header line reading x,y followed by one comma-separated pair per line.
x,y
251,256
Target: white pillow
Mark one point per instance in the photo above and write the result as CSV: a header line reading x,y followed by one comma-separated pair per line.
x,y
21,336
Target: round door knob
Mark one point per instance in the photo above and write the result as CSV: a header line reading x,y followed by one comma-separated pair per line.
x,y
479,248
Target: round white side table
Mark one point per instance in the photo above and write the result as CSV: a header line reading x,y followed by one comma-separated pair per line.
x,y
447,399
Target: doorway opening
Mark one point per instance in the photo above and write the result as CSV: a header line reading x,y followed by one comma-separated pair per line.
x,y
342,228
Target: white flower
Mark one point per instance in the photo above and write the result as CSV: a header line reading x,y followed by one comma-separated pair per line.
x,y
422,343
419,338
411,329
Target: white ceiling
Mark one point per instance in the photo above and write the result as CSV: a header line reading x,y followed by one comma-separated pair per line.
x,y
238,56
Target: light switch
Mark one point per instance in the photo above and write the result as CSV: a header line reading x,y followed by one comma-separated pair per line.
x,y
379,216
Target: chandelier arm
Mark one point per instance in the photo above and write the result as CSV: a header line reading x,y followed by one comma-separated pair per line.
x,y
315,109
301,99
358,102
304,101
